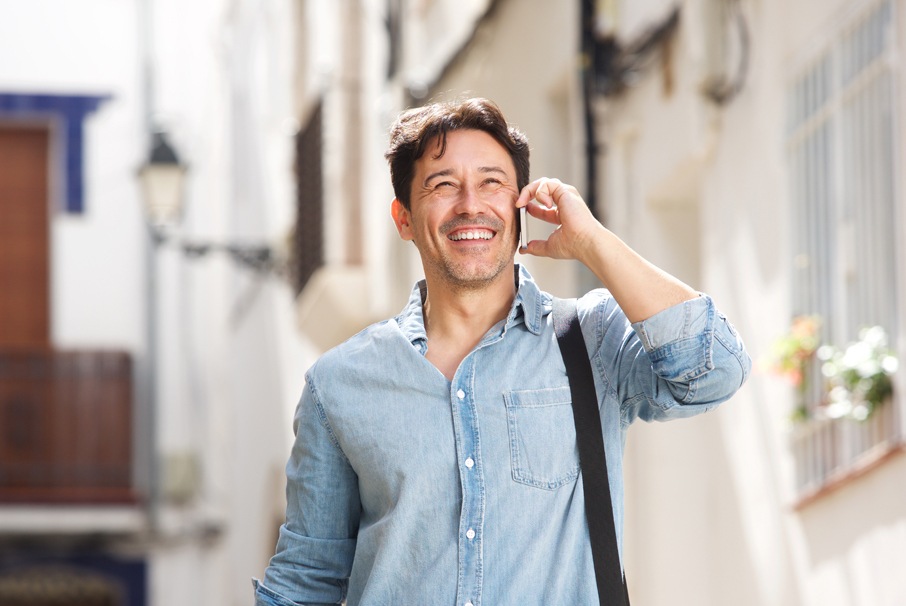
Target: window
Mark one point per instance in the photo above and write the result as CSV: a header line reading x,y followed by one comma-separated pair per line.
x,y
68,113
841,154
308,239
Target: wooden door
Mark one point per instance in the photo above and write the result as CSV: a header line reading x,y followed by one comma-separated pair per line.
x,y
24,241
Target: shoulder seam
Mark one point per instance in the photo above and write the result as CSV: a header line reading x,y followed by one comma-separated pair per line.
x,y
322,416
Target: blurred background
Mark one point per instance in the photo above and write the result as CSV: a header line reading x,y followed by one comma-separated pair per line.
x,y
194,205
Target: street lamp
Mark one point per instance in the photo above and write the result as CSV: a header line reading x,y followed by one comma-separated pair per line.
x,y
162,181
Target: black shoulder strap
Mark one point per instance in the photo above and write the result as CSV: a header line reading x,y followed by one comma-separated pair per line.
x,y
598,506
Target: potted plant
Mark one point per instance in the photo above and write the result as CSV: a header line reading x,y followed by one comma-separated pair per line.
x,y
831,382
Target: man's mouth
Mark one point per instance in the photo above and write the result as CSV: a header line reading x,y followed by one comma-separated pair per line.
x,y
471,234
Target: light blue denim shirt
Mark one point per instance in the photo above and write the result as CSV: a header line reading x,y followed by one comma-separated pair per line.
x,y
407,488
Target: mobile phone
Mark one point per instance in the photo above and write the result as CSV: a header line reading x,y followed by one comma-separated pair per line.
x,y
523,228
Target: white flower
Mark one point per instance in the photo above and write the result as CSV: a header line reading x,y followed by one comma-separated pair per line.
x,y
874,336
860,412
856,354
857,377
825,352
839,394
868,368
840,409
829,370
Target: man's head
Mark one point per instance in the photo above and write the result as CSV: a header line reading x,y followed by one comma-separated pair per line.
x,y
457,170
421,129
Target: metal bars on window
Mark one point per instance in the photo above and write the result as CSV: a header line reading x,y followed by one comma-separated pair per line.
x,y
308,237
841,153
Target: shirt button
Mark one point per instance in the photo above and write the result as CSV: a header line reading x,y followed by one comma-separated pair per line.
x,y
470,534
460,394
470,463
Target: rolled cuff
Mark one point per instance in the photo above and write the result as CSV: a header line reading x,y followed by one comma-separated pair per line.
x,y
681,321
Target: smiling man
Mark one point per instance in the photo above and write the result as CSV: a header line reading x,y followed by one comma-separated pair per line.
x,y
435,459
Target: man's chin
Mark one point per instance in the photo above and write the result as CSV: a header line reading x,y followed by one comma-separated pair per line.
x,y
475,277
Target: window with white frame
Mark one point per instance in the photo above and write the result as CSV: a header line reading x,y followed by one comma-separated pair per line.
x,y
841,155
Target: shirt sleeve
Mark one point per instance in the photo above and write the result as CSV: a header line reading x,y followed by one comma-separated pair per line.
x,y
316,544
680,362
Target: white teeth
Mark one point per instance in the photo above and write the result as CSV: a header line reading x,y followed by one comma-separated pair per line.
x,y
472,235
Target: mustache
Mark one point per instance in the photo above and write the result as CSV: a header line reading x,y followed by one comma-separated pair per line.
x,y
457,222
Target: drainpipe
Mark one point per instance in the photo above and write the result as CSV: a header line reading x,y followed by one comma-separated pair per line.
x,y
587,54
148,396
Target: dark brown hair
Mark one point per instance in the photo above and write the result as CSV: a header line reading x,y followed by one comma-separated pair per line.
x,y
417,128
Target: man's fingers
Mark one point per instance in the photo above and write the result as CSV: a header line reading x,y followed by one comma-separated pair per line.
x,y
537,248
528,193
558,204
549,192
543,213
546,191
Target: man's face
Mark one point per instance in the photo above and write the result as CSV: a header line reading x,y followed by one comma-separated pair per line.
x,y
462,213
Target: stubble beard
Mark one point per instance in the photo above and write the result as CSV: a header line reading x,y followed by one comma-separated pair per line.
x,y
465,276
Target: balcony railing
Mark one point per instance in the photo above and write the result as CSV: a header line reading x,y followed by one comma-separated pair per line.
x,y
65,427
829,451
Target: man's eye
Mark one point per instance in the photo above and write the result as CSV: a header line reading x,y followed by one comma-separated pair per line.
x,y
443,184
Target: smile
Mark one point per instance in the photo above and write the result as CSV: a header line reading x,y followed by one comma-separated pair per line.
x,y
476,234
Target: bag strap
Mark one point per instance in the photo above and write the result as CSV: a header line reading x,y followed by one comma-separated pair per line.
x,y
611,581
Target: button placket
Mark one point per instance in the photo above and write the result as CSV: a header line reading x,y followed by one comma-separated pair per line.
x,y
472,512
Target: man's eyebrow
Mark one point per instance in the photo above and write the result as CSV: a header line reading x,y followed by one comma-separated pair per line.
x,y
492,169
449,171
441,173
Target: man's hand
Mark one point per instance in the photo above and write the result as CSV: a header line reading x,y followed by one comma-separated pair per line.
x,y
640,288
559,204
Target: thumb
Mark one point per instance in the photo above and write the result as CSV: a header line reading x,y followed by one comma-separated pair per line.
x,y
537,248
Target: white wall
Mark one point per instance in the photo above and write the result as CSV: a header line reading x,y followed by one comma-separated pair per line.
x,y
58,48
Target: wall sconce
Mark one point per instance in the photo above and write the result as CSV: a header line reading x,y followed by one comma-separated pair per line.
x,y
163,184
162,181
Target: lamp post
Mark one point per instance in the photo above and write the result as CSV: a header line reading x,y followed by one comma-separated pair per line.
x,y
162,180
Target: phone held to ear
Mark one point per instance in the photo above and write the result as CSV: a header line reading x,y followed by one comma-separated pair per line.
x,y
523,228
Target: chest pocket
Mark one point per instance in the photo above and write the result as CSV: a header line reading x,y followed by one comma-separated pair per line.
x,y
542,434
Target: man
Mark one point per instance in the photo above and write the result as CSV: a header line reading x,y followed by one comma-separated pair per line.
x,y
435,459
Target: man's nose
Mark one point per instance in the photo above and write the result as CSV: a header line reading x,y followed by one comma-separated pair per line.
x,y
469,201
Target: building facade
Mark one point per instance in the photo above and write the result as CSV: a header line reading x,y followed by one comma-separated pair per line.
x,y
144,363
149,369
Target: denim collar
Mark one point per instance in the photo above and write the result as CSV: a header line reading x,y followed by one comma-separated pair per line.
x,y
529,306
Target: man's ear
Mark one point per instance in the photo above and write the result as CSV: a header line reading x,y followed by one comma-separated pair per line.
x,y
402,218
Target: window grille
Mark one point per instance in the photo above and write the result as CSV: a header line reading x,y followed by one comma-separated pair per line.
x,y
308,238
841,155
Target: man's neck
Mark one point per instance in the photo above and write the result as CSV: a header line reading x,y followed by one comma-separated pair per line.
x,y
457,319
